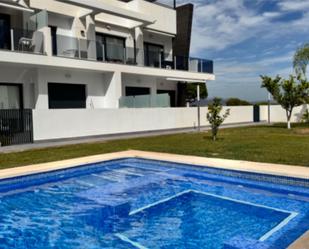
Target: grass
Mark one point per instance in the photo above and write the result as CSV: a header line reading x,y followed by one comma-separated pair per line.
x,y
273,144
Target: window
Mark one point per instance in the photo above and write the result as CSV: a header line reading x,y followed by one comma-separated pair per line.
x,y
135,91
154,55
66,96
10,96
110,48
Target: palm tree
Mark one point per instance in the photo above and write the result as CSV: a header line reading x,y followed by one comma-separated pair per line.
x,y
301,60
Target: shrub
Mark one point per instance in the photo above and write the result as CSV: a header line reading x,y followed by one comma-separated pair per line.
x,y
237,102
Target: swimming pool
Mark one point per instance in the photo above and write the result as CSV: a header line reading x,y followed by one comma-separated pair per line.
x,y
139,203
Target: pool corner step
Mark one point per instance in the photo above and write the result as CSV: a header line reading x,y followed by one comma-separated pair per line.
x,y
240,242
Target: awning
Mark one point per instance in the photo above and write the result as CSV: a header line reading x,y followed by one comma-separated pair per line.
x,y
186,80
16,4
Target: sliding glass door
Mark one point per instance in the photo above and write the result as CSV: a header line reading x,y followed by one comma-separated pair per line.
x,y
110,48
154,55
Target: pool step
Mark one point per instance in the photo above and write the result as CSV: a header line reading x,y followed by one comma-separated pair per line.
x,y
116,193
112,202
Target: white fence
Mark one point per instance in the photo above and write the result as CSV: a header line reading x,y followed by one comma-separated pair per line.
x,y
277,113
58,124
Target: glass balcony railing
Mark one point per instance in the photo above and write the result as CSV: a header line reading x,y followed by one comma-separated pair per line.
x,y
114,53
193,64
145,101
22,40
80,48
72,47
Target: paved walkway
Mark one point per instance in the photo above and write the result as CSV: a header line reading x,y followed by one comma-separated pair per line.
x,y
64,142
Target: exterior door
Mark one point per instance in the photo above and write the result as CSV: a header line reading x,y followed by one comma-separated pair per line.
x,y
5,37
110,48
154,55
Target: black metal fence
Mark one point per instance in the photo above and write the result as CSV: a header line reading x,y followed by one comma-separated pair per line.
x,y
16,127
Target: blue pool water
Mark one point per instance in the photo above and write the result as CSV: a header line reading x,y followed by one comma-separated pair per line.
x,y
137,203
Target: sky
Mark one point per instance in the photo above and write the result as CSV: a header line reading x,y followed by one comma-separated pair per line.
x,y
246,39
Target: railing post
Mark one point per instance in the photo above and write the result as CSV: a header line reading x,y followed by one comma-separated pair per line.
x,y
12,40
198,108
79,52
103,52
189,64
124,55
202,66
160,61
175,62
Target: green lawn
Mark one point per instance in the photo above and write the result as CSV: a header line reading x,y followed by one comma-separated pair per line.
x,y
273,144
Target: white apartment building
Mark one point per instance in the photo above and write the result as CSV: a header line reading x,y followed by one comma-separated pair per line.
x,y
95,54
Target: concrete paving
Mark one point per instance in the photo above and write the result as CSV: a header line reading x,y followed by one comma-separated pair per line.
x,y
97,139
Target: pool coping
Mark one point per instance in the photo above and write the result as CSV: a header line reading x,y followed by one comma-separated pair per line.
x,y
300,172
243,166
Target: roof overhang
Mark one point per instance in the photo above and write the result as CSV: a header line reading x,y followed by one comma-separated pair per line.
x,y
102,7
17,5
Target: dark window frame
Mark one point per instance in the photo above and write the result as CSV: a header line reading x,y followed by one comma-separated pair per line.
x,y
20,90
104,36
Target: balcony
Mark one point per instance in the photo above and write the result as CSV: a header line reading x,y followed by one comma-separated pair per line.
x,y
65,46
22,40
28,41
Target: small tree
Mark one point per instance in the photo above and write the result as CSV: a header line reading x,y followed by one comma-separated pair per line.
x,y
301,60
288,93
214,117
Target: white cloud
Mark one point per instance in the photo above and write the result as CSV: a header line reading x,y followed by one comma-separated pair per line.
x,y
294,5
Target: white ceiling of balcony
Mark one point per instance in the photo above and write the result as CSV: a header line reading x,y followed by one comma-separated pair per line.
x,y
15,4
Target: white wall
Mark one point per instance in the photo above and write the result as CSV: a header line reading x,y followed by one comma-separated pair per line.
x,y
278,114
165,17
57,124
94,86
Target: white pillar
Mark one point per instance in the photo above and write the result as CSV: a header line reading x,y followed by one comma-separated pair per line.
x,y
47,40
113,90
139,41
91,37
41,91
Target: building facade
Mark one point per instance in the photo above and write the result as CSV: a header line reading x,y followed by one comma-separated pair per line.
x,y
92,54
98,54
